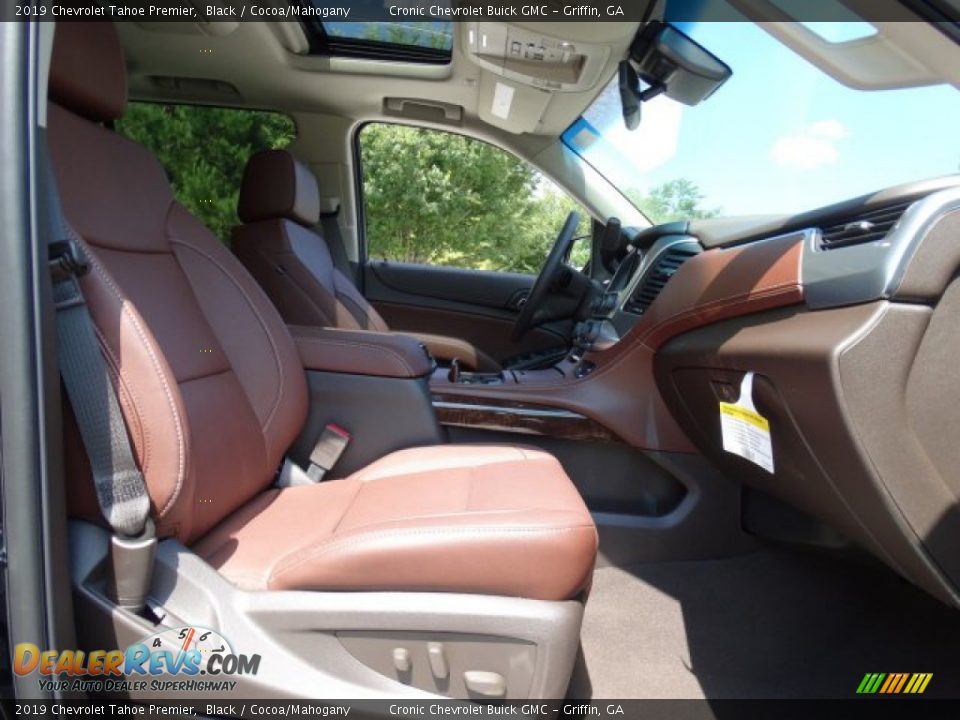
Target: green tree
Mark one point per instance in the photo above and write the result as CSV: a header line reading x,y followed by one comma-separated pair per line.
x,y
678,199
204,151
430,197
444,199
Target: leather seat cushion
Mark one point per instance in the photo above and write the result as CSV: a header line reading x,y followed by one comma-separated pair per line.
x,y
279,203
473,519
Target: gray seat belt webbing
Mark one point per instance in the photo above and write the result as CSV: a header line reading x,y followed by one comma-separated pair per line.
x,y
121,490
334,240
120,487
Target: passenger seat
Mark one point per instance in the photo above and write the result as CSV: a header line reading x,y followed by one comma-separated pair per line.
x,y
213,393
279,205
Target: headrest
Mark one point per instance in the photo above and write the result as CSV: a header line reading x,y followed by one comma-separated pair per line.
x,y
87,72
275,186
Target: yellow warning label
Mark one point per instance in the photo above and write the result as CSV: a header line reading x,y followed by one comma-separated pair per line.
x,y
741,413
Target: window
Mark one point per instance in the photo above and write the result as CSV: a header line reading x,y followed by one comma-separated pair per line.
x,y
438,198
372,32
204,151
780,137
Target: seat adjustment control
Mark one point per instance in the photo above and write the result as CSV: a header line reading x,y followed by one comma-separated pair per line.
x,y
487,684
438,660
401,660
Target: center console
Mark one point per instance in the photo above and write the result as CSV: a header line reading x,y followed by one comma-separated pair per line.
x,y
363,382
606,388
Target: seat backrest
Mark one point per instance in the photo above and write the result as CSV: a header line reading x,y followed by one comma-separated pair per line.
x,y
279,204
209,380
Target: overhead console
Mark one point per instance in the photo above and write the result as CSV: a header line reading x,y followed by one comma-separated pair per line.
x,y
523,67
532,58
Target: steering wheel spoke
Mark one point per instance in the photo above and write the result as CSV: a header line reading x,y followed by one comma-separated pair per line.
x,y
552,271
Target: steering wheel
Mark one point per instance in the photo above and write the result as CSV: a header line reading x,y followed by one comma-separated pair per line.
x,y
549,274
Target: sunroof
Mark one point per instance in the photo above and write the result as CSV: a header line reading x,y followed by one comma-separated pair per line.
x,y
372,32
436,35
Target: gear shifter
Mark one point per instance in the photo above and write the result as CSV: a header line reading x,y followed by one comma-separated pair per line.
x,y
454,374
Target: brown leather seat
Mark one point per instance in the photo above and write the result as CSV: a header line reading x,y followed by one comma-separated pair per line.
x,y
279,205
476,519
213,393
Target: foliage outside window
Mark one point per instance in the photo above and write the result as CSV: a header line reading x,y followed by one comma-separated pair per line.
x,y
438,198
204,151
678,199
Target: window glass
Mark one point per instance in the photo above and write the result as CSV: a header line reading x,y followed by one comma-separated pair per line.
x,y
781,137
434,35
438,198
204,151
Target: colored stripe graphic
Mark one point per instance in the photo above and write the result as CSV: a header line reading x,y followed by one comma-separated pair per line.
x,y
892,680
903,681
871,683
894,683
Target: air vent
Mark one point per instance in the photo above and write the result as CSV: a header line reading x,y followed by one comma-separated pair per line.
x,y
657,276
871,226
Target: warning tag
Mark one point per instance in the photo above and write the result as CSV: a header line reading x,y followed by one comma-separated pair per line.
x,y
745,431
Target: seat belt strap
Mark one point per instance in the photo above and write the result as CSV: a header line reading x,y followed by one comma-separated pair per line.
x,y
334,240
120,488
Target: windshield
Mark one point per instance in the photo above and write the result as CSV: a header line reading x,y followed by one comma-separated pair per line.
x,y
779,137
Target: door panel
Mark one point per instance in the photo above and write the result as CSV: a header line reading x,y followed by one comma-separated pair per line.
x,y
481,288
474,305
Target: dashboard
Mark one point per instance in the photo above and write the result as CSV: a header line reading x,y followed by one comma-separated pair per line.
x,y
879,233
845,322
846,319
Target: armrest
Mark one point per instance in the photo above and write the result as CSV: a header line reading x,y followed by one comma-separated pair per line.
x,y
359,352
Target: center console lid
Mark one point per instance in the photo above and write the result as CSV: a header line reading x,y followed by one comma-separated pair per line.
x,y
359,352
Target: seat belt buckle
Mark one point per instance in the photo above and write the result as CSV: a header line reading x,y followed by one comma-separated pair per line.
x,y
131,568
329,448
66,259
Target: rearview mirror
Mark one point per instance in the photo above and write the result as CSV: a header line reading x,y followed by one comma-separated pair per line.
x,y
630,96
669,62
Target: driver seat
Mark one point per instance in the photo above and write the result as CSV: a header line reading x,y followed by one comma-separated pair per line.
x,y
279,205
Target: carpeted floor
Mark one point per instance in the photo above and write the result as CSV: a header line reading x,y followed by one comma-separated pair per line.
x,y
772,624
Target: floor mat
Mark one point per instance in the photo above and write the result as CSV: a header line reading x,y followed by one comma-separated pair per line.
x,y
772,624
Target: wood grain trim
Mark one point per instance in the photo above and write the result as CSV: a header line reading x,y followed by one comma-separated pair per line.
x,y
722,284
621,394
520,418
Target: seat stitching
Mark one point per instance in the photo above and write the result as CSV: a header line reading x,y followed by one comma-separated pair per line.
x,y
455,514
346,510
205,376
100,270
276,352
358,344
360,474
364,537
